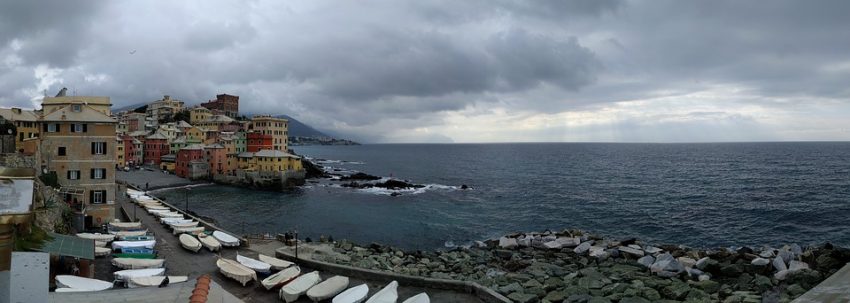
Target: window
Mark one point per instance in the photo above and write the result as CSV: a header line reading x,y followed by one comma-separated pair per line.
x,y
79,128
76,107
73,175
98,196
61,151
52,127
98,148
98,173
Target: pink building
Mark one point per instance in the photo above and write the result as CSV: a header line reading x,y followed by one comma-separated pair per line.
x,y
216,155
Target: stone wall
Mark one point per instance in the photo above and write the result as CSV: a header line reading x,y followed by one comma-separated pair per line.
x,y
16,160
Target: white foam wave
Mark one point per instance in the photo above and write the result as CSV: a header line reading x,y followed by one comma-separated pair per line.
x,y
407,191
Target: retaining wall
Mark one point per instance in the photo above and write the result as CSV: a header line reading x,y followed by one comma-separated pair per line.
x,y
484,293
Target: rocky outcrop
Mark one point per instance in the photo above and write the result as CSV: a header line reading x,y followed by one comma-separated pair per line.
x,y
573,266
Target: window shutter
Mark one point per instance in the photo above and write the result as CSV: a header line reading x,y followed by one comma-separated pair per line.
x,y
92,148
91,196
44,126
58,128
69,175
92,173
85,128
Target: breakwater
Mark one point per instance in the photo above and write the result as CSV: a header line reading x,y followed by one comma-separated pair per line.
x,y
575,266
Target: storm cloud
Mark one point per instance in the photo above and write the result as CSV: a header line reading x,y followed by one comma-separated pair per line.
x,y
464,71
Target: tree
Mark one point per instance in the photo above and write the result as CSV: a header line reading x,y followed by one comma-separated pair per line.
x,y
181,115
142,109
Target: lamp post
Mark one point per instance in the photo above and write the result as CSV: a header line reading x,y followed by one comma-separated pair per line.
x,y
187,199
296,244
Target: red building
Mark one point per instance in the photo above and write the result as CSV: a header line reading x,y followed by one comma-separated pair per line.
x,y
129,150
194,152
225,104
258,141
156,146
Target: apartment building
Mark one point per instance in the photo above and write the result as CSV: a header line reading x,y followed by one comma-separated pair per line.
x,y
278,128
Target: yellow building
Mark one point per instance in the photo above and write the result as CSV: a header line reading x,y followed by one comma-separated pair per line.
x,y
119,153
165,108
199,114
195,135
77,138
269,161
26,122
214,122
277,127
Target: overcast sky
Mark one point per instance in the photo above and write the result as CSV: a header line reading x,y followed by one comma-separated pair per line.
x,y
456,71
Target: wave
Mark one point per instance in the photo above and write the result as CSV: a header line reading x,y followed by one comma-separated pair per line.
x,y
188,186
407,191
331,161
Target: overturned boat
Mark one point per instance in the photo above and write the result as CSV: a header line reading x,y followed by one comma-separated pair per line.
x,y
281,278
97,236
138,244
234,270
190,243
81,284
102,251
188,230
125,225
327,288
353,295
124,275
225,239
420,298
387,294
136,263
154,281
292,290
276,263
129,233
256,265
209,242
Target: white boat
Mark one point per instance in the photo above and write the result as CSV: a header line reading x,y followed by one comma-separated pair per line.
x,y
225,239
184,224
172,214
126,244
97,236
190,243
420,298
389,294
353,295
133,263
282,277
292,290
125,225
328,288
66,289
100,243
102,251
168,221
234,270
209,242
188,230
81,284
129,233
276,263
124,275
154,281
256,265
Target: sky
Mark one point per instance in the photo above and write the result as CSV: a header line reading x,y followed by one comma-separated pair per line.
x,y
456,71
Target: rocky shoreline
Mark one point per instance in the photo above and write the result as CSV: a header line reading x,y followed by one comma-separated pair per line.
x,y
575,266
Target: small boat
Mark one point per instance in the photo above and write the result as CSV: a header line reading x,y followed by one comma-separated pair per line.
x,y
184,224
234,270
97,236
137,250
280,278
66,289
169,221
134,263
125,244
389,294
188,230
328,288
276,263
102,251
135,256
225,239
129,233
154,281
209,242
292,290
125,225
82,284
190,243
420,298
256,265
100,243
137,238
124,275
169,215
353,295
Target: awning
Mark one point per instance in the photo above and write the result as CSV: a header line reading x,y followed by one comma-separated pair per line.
x,y
70,246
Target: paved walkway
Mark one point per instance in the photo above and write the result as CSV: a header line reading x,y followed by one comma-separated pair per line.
x,y
836,288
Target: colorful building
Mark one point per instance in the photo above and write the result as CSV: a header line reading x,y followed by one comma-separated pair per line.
x,y
156,146
258,141
120,156
199,114
25,121
164,109
278,128
195,135
77,138
225,104
269,161
185,157
216,156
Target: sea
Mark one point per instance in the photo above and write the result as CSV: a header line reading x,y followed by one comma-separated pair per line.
x,y
707,195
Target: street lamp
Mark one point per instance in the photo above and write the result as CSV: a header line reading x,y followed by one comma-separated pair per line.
x,y
187,199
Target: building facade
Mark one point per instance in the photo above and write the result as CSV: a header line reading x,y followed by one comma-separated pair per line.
x,y
276,127
258,141
164,109
198,115
225,104
77,138
156,146
186,156
25,121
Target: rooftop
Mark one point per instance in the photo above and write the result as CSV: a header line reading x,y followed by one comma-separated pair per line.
x,y
86,114
17,114
268,153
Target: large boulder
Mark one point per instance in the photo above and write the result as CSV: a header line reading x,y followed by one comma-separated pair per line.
x,y
666,263
505,242
582,248
646,261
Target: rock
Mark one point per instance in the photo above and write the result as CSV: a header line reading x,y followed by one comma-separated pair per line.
x,y
804,277
652,250
796,249
599,300
552,245
786,256
510,288
582,248
795,290
631,251
568,241
522,297
779,264
696,295
767,253
707,285
666,263
762,283
505,242
646,261
708,265
651,294
797,265
578,298
479,244
676,291
555,296
504,254
781,275
532,284
524,241
686,262
732,270
634,300
760,262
